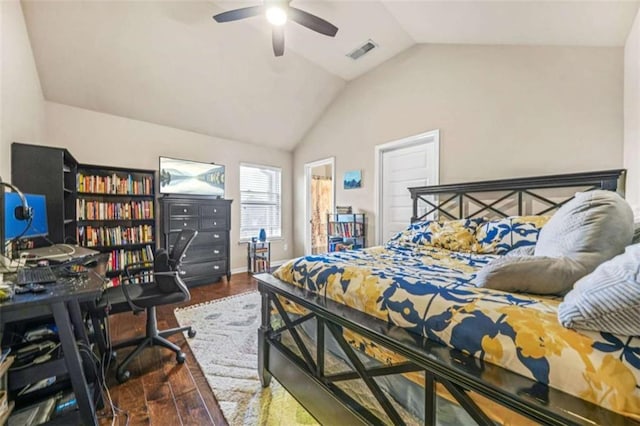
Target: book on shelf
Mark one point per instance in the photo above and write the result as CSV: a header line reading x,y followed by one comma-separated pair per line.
x,y
101,210
92,236
115,184
346,229
119,259
260,265
343,246
139,278
343,209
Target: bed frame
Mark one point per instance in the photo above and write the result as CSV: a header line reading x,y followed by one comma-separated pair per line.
x,y
302,371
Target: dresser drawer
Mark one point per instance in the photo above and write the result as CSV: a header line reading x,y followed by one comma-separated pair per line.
x,y
185,223
213,211
183,209
212,238
215,267
197,254
204,238
213,223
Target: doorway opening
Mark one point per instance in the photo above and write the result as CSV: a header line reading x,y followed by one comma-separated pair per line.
x,y
320,199
401,164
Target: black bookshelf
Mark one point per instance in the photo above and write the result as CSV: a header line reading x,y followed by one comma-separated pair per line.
x,y
51,172
346,231
116,214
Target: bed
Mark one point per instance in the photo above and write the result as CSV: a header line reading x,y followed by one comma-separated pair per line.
x,y
394,311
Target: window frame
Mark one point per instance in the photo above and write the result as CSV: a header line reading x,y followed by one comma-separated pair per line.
x,y
263,167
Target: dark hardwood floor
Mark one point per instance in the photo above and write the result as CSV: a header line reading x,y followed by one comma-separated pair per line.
x,y
160,391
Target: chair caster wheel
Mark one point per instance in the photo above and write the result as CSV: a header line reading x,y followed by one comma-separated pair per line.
x,y
181,357
191,333
123,377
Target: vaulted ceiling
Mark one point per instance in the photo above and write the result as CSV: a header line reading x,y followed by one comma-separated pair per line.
x,y
168,62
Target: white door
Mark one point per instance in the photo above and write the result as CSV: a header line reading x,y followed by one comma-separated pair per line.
x,y
403,164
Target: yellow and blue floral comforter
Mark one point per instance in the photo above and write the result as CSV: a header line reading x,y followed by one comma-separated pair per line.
x,y
429,291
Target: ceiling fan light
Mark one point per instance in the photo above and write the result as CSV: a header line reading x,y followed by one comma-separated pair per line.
x,y
276,15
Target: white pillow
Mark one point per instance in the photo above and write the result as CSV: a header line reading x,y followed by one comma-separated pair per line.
x,y
608,299
590,229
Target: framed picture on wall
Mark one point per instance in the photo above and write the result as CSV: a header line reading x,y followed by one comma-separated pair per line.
x,y
353,179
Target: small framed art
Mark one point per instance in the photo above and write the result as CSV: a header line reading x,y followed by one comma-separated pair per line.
x,y
353,179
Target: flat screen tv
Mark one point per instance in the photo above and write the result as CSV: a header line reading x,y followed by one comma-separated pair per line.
x,y
191,177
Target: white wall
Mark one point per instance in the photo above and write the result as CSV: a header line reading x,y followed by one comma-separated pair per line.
x,y
632,115
97,138
502,111
22,102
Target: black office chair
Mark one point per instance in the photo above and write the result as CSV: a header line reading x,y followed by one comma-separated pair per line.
x,y
167,288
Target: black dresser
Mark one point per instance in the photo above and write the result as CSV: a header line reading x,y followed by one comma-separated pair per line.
x,y
208,258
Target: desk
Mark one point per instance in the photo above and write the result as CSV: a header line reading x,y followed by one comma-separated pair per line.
x,y
62,300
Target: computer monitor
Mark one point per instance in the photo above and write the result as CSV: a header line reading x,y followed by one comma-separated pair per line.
x,y
14,228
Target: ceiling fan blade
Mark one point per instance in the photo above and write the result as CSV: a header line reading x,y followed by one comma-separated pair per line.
x,y
312,22
277,37
236,14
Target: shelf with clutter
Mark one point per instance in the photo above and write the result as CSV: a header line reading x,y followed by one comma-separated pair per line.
x,y
346,231
258,256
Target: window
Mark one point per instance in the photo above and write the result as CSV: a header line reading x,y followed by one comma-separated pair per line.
x,y
260,201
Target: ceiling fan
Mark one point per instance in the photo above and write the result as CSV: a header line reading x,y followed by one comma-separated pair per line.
x,y
277,13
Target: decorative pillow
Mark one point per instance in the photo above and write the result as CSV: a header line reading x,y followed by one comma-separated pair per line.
x,y
456,235
529,274
503,235
413,233
591,228
608,299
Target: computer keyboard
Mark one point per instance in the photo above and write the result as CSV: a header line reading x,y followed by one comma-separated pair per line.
x,y
37,275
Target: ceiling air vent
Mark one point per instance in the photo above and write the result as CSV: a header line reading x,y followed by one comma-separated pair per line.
x,y
367,47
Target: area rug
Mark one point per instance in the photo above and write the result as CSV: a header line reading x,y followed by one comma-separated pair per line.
x,y
226,347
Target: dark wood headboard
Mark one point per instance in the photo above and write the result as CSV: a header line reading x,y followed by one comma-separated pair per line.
x,y
507,197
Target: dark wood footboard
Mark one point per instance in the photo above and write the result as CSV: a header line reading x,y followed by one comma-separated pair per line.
x,y
302,371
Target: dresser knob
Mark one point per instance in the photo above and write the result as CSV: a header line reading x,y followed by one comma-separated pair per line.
x,y
184,210
216,236
216,252
185,224
215,210
215,223
216,267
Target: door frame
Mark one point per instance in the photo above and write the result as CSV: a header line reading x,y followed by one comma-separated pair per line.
x,y
307,192
432,136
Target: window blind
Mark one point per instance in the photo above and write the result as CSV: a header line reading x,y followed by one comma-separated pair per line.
x,y
260,201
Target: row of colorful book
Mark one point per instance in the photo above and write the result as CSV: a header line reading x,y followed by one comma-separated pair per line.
x,y
115,184
90,236
100,210
118,259
140,278
346,229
